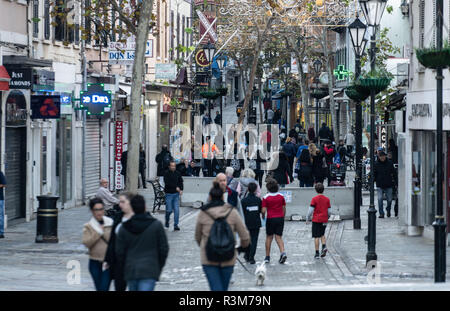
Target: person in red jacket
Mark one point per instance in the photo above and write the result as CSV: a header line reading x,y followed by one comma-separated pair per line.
x,y
319,209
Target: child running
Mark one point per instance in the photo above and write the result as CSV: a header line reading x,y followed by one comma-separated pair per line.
x,y
319,209
275,206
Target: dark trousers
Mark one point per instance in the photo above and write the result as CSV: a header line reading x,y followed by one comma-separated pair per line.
x,y
120,285
259,177
144,184
102,279
207,168
250,254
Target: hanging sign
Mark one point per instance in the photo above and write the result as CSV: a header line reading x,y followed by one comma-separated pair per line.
x,y
119,151
200,58
45,107
96,100
206,19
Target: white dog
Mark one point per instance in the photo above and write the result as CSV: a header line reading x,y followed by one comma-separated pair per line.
x,y
260,274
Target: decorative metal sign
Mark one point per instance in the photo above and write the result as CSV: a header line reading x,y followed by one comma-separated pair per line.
x,y
200,59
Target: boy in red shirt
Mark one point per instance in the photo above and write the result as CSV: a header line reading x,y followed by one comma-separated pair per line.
x,y
320,210
275,205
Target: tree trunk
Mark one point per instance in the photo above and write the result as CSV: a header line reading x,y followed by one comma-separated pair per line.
x,y
136,91
258,48
326,53
303,89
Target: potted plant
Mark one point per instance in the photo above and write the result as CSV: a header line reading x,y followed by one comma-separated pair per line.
x,y
434,58
377,80
209,94
352,92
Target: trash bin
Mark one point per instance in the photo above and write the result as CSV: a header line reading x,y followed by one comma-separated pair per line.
x,y
47,220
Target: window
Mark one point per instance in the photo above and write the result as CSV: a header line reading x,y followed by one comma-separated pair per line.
x,y
166,20
47,19
172,21
183,31
35,18
87,23
158,29
178,34
421,23
60,27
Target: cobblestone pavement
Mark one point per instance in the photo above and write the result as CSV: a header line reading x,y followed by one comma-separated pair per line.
x,y
30,266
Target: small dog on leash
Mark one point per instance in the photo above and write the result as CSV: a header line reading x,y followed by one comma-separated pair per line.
x,y
260,274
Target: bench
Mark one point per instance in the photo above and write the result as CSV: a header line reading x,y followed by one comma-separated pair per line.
x,y
160,196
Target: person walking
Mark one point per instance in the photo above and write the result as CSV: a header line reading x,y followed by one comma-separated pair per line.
x,y
123,162
247,177
282,173
116,270
305,172
329,153
311,133
319,165
290,151
325,132
218,118
208,153
105,195
2,205
270,116
274,205
252,208
141,247
163,159
96,234
350,142
206,119
142,165
230,194
236,161
342,151
173,188
320,210
218,273
384,175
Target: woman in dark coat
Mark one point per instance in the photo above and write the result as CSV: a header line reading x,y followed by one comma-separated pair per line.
x,y
282,174
318,170
305,173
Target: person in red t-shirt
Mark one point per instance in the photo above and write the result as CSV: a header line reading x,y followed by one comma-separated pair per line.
x,y
275,206
319,209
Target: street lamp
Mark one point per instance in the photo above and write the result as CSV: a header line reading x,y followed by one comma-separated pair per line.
x,y
357,32
221,64
287,70
209,50
317,69
373,11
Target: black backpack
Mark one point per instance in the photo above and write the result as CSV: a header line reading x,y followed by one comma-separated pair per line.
x,y
221,242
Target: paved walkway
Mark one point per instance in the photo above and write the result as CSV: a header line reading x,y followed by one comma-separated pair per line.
x,y
30,266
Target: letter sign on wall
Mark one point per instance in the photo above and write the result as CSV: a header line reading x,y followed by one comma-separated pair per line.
x,y
96,100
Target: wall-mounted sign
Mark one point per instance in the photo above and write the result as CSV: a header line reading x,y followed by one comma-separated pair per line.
x,y
123,53
200,58
96,100
119,151
45,107
43,80
16,112
166,71
66,104
383,138
20,77
421,110
341,73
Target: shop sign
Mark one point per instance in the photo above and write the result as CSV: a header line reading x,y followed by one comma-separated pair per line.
x,y
200,58
383,137
45,107
165,71
43,80
123,53
96,100
20,78
119,151
66,104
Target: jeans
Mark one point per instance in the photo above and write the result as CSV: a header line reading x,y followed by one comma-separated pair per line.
x,y
173,204
254,233
102,279
218,277
141,285
2,217
388,192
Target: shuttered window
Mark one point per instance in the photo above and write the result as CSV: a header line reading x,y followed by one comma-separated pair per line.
x,y
47,20
35,18
421,23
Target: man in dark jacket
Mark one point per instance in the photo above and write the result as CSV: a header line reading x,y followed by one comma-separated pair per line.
x,y
141,246
142,165
163,159
173,187
325,132
384,174
251,207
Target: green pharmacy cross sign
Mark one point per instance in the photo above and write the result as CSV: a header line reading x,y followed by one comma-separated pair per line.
x,y
341,73
95,100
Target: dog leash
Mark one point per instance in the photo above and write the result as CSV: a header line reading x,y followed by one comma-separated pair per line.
x,y
243,265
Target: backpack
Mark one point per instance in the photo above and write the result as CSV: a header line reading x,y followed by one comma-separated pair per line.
x,y
220,246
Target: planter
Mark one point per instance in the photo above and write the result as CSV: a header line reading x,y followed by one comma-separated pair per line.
x,y
209,94
431,58
353,93
222,91
378,84
319,94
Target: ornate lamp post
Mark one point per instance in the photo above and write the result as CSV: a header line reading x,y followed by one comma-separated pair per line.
x,y
221,64
287,71
317,68
357,32
373,11
210,50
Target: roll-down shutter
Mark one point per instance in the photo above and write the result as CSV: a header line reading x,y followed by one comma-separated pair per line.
x,y
92,157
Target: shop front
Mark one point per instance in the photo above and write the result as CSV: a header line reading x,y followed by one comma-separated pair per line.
x,y
420,161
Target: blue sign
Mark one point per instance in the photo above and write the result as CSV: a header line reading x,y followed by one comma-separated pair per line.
x,y
66,100
96,100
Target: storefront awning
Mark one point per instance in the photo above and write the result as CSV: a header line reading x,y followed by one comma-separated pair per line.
x,y
334,94
4,79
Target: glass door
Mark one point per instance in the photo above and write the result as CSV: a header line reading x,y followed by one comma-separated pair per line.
x,y
64,159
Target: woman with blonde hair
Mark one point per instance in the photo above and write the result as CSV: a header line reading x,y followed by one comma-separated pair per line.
x,y
247,177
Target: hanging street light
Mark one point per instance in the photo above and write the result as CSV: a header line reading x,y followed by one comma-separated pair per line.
x,y
221,64
357,31
210,50
373,11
